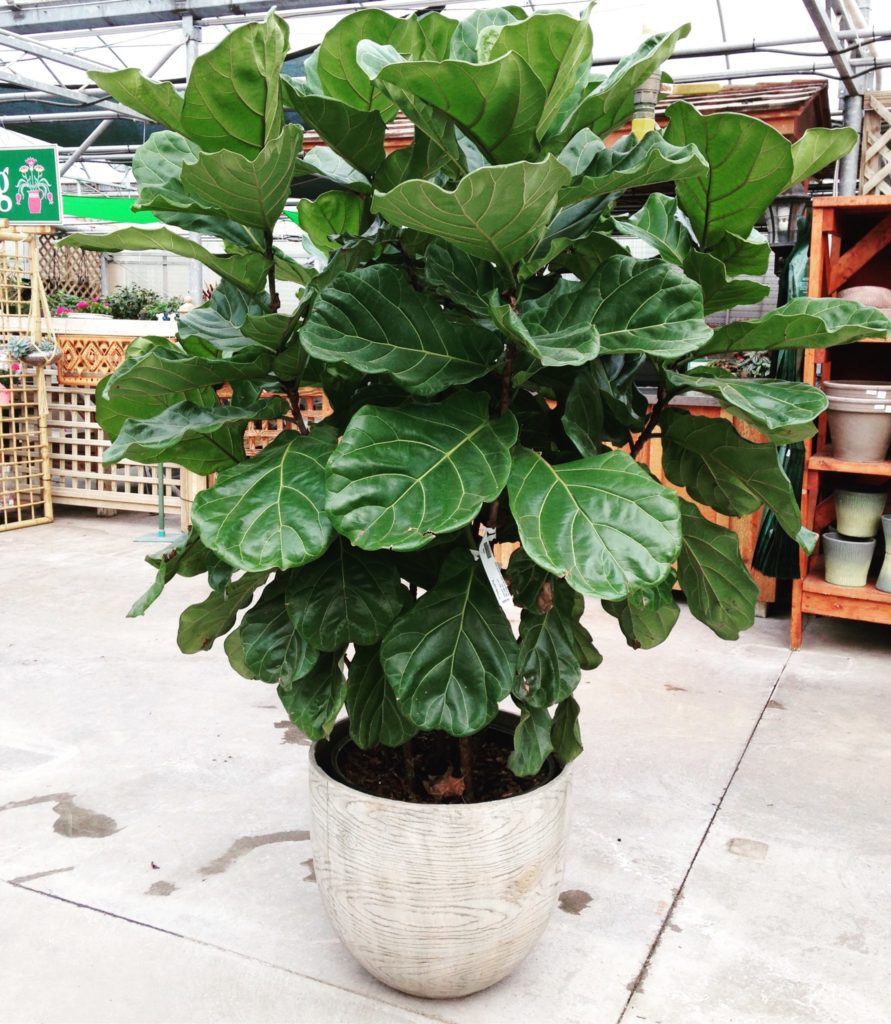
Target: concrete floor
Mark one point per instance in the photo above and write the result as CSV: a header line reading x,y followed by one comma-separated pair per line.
x,y
730,859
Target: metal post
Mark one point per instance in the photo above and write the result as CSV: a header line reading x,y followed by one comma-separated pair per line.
x,y
192,34
849,165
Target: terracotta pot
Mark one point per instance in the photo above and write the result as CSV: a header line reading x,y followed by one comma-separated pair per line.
x,y
857,513
847,559
884,580
436,900
860,428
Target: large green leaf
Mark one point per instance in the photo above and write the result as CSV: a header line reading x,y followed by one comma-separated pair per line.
x,y
322,162
583,415
347,596
719,290
658,224
157,100
749,165
314,701
532,741
495,213
231,322
548,668
610,103
466,42
719,590
269,512
235,653
556,328
565,733
245,270
186,558
373,319
782,410
603,522
459,277
817,148
422,159
647,616
631,164
375,716
646,306
251,191
401,475
450,659
749,255
272,649
327,219
202,440
233,99
355,135
733,476
802,323
497,104
200,624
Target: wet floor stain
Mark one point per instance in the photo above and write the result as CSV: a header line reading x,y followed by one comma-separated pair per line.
x,y
776,704
675,689
751,848
574,901
160,889
292,734
72,821
39,874
310,866
673,927
244,844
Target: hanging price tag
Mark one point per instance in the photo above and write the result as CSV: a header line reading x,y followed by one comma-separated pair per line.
x,y
493,570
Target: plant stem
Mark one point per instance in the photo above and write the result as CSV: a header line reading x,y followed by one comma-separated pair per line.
x,y
465,752
503,405
293,392
662,399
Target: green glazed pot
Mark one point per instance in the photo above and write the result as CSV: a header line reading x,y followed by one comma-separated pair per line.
x,y
884,580
857,513
847,559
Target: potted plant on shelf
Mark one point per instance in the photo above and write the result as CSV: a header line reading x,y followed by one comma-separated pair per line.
x,y
476,325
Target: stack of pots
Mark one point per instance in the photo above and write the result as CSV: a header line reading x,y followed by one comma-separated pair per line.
x,y
859,419
849,549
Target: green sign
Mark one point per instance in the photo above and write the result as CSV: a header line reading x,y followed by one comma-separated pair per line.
x,y
29,185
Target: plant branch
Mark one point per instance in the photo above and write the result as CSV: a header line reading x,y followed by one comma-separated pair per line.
x,y
465,752
503,406
662,400
292,391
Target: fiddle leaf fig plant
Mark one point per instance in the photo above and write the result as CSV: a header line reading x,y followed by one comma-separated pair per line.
x,y
476,321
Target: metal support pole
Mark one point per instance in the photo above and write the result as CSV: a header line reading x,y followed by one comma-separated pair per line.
x,y
192,36
849,165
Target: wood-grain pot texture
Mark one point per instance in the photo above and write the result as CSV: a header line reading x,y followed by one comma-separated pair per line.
x,y
438,900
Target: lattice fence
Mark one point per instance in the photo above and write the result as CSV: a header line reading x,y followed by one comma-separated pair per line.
x,y
74,271
875,148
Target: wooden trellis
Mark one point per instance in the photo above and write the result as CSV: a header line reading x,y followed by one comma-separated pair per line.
x,y
875,148
74,271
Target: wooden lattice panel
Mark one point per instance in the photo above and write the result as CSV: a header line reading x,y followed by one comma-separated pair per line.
x,y
79,476
23,499
86,359
875,150
259,433
75,271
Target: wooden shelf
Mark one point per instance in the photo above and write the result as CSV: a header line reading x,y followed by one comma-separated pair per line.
x,y
825,462
866,604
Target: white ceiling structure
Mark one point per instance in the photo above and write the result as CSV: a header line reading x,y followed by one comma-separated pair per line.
x,y
47,48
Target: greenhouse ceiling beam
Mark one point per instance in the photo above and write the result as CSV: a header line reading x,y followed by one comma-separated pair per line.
x,y
830,40
51,53
63,15
76,97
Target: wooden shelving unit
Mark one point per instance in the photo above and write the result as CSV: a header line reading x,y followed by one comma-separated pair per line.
x,y
850,245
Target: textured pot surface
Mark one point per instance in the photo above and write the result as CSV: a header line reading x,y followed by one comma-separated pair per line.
x,y
857,513
847,561
884,580
438,900
860,428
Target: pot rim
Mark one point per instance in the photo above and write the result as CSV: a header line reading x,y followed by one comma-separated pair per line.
x,y
841,403
479,807
845,539
856,384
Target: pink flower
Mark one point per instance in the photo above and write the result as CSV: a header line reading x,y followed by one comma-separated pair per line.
x,y
30,161
81,305
62,310
18,197
49,197
39,168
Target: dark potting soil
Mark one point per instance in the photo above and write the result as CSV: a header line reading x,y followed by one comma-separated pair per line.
x,y
428,770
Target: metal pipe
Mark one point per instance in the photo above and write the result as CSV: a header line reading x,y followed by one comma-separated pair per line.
x,y
849,165
806,69
192,37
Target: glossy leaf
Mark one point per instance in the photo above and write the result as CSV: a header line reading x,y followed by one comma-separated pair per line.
x,y
735,477
583,416
646,306
347,596
322,162
465,43
548,667
247,271
565,733
200,624
802,323
604,523
221,318
157,100
526,580
659,223
749,255
235,653
269,512
719,290
719,590
818,148
327,219
450,659
199,439
232,100
749,165
401,475
273,650
647,616
459,277
374,713
313,701
373,319
532,741
782,410
250,191
495,213
187,558
631,164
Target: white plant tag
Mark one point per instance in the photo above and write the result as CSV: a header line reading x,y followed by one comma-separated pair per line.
x,y
493,570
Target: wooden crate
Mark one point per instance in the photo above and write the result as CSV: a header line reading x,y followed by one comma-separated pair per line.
x,y
79,476
875,147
